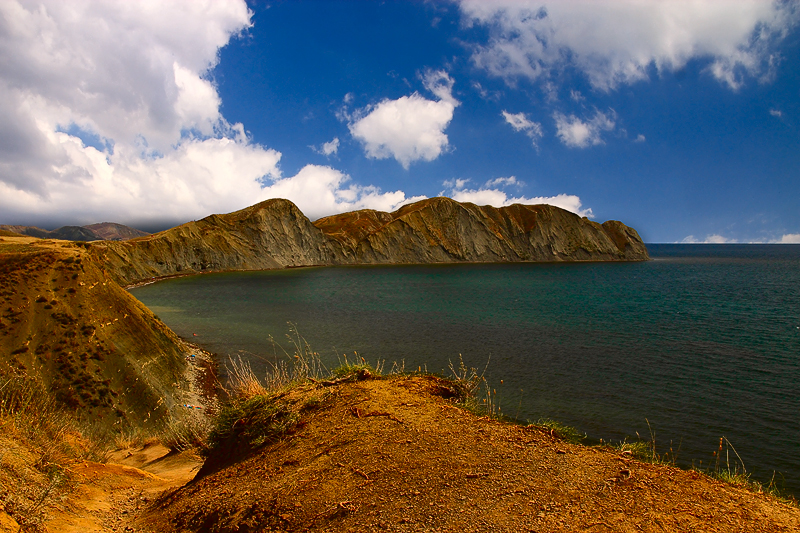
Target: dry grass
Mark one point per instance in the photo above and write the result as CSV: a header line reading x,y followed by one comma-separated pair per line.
x,y
39,441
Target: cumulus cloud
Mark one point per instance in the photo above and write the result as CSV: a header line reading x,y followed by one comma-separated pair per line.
x,y
410,128
520,122
790,238
776,113
109,113
639,138
618,41
321,190
490,194
577,133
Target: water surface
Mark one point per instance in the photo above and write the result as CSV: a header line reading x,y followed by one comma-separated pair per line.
x,y
703,341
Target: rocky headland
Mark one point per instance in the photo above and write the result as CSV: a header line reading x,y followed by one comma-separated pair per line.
x,y
276,234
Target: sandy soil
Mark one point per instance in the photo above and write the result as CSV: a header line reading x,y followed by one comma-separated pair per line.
x,y
394,455
108,497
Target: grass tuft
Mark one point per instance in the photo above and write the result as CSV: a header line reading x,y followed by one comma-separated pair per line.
x,y
561,431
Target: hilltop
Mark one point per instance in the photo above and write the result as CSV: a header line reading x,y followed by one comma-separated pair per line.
x,y
403,454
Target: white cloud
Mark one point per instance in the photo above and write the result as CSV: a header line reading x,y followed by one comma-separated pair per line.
x,y
489,194
329,148
125,75
108,113
776,113
504,182
410,128
520,122
639,138
576,133
617,41
790,238
320,191
710,239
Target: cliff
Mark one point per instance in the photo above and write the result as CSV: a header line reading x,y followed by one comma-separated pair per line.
x,y
441,230
68,330
271,234
275,234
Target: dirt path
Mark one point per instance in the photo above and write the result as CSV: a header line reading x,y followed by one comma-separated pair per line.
x,y
108,497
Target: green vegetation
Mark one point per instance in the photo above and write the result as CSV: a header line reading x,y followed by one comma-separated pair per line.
x,y
561,431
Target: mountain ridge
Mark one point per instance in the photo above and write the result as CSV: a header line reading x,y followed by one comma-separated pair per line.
x,y
276,234
103,231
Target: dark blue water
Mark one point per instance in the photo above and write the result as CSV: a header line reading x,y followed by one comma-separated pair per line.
x,y
703,341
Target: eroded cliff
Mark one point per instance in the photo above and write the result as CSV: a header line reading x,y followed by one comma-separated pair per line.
x,y
275,234
441,230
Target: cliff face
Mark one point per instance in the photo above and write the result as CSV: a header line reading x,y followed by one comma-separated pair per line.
x,y
441,230
271,234
275,234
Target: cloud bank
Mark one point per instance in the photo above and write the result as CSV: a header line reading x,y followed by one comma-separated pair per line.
x,y
618,41
109,113
491,193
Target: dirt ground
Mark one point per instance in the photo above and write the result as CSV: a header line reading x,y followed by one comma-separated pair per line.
x,y
108,497
393,454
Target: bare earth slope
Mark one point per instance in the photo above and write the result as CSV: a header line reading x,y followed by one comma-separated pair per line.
x,y
65,324
275,234
394,455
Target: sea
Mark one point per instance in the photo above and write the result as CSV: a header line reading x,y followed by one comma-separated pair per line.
x,y
699,344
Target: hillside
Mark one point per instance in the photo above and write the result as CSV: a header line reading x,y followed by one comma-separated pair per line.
x,y
399,454
71,330
441,230
275,234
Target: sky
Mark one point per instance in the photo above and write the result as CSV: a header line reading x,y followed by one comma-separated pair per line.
x,y
680,118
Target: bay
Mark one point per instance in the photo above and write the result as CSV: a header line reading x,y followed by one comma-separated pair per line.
x,y
699,343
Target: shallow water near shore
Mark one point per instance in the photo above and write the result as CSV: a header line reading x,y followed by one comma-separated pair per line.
x,y
703,341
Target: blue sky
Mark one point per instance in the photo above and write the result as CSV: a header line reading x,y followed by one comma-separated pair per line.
x,y
680,119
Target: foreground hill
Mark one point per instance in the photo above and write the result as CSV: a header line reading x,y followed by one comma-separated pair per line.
x,y
275,234
395,454
70,330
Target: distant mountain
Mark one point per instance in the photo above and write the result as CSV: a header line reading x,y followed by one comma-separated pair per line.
x,y
109,231
275,234
105,231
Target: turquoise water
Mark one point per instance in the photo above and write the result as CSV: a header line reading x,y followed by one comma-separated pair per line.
x,y
702,341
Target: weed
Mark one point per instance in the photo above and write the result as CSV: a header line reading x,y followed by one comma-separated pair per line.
x,y
250,423
189,431
563,432
357,366
50,438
